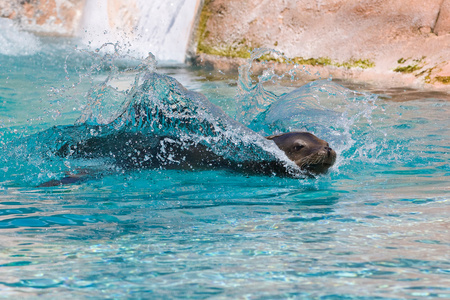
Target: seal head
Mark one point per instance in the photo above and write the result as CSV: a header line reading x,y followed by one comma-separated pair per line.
x,y
309,153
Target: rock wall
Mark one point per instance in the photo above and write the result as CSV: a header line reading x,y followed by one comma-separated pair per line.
x,y
53,17
410,38
398,41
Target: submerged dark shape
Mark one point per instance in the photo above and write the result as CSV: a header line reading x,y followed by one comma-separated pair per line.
x,y
164,125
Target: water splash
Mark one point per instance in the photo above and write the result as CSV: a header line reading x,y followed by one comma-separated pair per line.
x,y
138,118
128,100
106,98
350,121
252,100
163,27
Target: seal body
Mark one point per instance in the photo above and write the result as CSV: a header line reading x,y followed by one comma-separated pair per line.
x,y
135,150
309,152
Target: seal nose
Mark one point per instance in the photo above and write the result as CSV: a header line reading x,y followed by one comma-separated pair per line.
x,y
328,149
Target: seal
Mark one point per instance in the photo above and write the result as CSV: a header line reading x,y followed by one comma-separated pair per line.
x,y
309,152
165,126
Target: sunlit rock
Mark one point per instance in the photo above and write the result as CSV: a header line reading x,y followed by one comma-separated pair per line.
x,y
357,39
51,17
443,21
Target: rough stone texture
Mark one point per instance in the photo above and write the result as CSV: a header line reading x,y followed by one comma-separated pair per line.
x,y
443,22
54,17
385,32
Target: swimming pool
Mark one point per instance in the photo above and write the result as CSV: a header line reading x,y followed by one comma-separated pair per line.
x,y
376,226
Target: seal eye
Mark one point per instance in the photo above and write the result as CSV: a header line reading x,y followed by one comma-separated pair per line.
x,y
298,147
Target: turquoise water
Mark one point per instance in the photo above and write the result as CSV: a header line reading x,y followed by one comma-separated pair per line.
x,y
375,227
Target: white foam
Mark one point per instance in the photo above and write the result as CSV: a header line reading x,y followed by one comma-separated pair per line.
x,y
15,42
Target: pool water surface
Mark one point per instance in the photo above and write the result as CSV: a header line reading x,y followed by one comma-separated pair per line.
x,y
377,226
